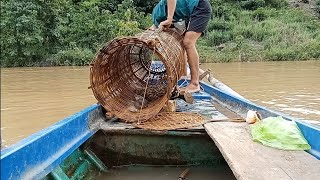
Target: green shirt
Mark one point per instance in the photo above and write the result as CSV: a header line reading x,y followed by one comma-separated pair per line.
x,y
183,11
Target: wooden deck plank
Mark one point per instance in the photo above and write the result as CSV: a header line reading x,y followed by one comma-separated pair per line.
x,y
251,160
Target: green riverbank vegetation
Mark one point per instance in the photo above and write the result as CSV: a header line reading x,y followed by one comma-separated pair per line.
x,y
70,32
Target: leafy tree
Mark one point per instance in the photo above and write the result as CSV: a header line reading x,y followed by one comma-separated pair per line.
x,y
21,33
318,7
69,32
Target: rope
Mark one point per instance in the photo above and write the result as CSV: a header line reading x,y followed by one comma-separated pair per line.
x,y
145,90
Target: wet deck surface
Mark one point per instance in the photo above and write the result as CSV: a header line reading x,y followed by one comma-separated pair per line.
x,y
205,107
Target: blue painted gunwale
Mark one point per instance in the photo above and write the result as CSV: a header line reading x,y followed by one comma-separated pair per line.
x,y
37,155
34,158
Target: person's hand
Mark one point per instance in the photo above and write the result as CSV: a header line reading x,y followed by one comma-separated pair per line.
x,y
167,23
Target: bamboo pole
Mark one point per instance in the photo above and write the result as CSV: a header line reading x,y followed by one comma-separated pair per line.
x,y
217,84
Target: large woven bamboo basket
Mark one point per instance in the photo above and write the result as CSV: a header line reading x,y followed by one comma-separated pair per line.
x,y
133,77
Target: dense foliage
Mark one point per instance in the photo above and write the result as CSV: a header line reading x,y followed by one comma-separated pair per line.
x,y
69,32
65,32
318,7
254,30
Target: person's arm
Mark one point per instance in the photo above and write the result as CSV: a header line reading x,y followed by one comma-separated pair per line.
x,y
171,4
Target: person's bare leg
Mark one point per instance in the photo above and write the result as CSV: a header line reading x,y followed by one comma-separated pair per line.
x,y
189,42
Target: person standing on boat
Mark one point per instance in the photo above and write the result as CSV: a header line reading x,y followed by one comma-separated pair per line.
x,y
197,14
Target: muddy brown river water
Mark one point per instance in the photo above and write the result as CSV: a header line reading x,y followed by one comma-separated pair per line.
x,y
34,98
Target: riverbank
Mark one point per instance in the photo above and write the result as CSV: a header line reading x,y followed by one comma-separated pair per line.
x,y
62,33
254,32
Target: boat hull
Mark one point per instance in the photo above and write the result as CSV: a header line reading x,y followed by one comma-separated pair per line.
x,y
43,152
129,147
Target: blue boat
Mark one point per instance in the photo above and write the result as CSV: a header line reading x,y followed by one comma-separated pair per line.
x,y
86,144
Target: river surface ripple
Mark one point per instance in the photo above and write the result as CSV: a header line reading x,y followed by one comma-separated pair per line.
x,y
34,98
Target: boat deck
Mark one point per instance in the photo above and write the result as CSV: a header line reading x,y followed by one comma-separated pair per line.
x,y
251,160
204,104
247,159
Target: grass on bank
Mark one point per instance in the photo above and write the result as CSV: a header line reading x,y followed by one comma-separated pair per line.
x,y
260,35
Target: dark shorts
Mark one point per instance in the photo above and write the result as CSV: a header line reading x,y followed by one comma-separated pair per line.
x,y
200,17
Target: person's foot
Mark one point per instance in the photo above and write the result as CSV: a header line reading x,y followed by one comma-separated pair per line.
x,y
191,88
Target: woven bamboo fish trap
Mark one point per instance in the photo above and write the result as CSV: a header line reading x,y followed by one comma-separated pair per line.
x,y
133,77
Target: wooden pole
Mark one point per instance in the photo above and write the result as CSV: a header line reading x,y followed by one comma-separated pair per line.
x,y
219,85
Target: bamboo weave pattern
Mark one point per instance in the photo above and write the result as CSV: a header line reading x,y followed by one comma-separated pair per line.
x,y
133,77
